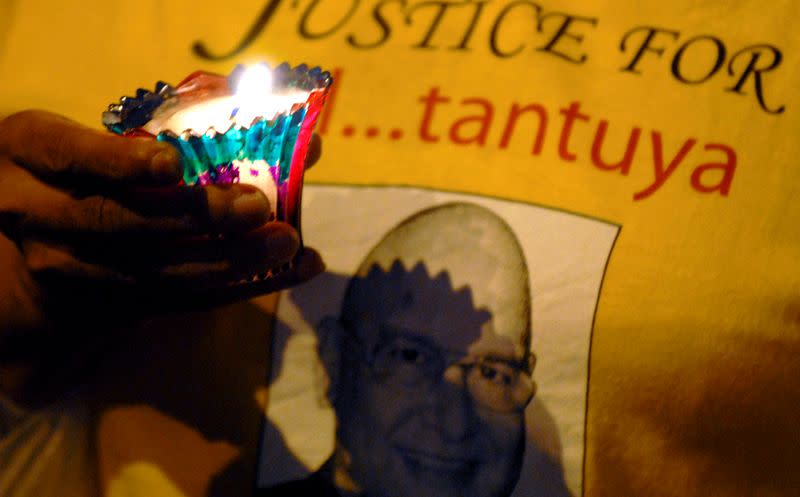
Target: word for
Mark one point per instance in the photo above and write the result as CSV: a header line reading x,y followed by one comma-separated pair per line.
x,y
746,64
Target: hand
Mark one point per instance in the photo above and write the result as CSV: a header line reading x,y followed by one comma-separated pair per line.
x,y
95,230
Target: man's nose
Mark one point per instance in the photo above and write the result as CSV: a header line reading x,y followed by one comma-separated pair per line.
x,y
453,410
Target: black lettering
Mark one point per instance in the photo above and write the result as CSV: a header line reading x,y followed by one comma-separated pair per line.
x,y
498,23
645,46
676,61
437,20
199,48
307,34
563,32
386,30
755,54
464,45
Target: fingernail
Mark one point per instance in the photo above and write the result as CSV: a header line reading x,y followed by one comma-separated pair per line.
x,y
166,165
251,207
309,264
283,248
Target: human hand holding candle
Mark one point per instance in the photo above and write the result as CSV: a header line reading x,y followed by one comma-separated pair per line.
x,y
95,231
98,230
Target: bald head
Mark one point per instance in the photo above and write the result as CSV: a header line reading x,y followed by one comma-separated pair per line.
x,y
457,262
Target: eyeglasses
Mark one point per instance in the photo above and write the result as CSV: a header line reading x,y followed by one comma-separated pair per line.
x,y
402,360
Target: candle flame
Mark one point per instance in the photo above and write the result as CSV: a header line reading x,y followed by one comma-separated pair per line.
x,y
255,83
254,93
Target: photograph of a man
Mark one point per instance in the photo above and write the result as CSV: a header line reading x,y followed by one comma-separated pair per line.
x,y
429,364
444,352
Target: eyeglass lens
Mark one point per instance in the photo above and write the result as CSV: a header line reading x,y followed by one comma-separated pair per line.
x,y
492,383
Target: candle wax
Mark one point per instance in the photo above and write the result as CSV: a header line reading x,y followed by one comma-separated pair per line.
x,y
221,113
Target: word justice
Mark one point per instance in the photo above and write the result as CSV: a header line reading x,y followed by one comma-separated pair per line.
x,y
470,26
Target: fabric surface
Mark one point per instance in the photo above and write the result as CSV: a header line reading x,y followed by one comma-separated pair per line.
x,y
676,122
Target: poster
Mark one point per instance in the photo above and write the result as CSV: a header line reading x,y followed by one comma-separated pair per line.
x,y
454,272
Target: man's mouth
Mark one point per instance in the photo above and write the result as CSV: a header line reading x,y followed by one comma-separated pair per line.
x,y
454,464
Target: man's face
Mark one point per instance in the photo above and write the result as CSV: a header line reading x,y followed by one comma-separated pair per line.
x,y
408,413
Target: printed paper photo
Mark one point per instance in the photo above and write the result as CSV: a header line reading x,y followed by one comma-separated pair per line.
x,y
444,352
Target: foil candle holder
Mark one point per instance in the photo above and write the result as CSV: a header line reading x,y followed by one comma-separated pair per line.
x,y
252,126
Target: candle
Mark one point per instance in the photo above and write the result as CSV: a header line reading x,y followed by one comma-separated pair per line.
x,y
254,98
256,132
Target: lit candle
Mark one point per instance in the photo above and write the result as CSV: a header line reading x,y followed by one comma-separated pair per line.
x,y
253,98
256,133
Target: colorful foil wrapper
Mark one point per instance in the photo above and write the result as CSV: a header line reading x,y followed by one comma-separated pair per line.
x,y
220,147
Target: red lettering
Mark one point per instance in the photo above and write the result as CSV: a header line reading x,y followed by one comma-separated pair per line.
x,y
430,102
727,168
513,116
483,120
624,165
571,113
473,127
661,174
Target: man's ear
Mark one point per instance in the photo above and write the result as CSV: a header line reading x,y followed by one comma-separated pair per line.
x,y
329,347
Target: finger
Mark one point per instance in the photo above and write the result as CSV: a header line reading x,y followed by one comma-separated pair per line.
x,y
180,297
55,147
197,210
306,265
200,263
314,151
116,298
47,262
228,260
43,209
